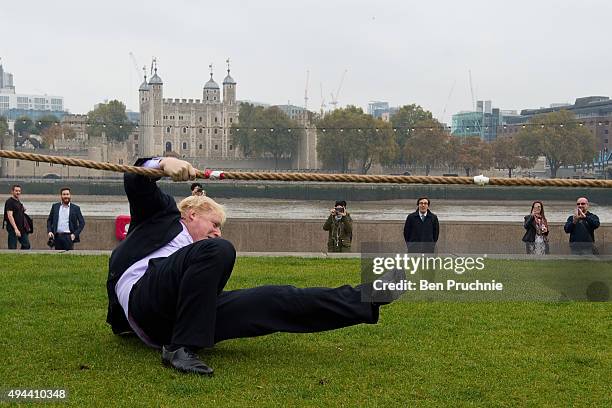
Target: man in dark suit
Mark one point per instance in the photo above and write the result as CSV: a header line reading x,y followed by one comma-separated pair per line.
x,y
65,222
421,229
166,280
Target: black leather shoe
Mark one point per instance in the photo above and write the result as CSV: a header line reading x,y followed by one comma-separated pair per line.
x,y
183,359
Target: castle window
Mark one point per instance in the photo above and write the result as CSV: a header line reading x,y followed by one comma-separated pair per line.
x,y
200,118
168,129
184,130
200,146
216,120
216,147
231,147
135,137
120,161
180,118
37,164
184,145
168,146
231,120
136,147
200,130
215,131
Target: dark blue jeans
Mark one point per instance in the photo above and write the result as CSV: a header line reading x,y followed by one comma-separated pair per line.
x,y
12,239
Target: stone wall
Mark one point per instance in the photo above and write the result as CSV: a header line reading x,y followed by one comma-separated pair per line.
x,y
271,235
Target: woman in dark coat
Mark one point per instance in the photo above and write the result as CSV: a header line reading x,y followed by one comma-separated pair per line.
x,y
536,234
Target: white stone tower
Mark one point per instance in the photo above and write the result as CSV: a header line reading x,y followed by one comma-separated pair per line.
x,y
143,93
153,140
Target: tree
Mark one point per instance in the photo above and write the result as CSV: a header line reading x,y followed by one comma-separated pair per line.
x,y
3,131
507,155
52,133
242,132
110,118
559,138
451,152
375,143
24,126
277,135
348,135
405,120
474,154
426,145
45,122
265,132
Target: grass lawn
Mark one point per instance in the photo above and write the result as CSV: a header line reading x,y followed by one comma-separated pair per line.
x,y
54,335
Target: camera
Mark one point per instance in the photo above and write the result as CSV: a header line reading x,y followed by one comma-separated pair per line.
x,y
51,242
339,210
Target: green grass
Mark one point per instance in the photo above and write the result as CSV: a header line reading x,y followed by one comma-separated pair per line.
x,y
53,335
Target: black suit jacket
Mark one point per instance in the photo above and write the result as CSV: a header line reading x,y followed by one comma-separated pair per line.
x,y
76,222
421,236
155,221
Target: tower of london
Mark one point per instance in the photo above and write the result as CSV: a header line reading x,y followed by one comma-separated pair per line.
x,y
191,128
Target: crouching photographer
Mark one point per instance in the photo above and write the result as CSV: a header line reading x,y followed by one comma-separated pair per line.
x,y
340,227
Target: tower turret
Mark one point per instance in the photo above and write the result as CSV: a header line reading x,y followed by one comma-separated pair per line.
x,y
211,90
229,87
152,143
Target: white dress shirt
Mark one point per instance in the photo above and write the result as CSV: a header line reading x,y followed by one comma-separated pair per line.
x,y
63,226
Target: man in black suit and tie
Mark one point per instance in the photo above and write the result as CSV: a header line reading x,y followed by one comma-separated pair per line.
x,y
166,280
65,222
421,229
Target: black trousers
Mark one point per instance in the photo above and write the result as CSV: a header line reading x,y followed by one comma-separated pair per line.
x,y
63,241
180,300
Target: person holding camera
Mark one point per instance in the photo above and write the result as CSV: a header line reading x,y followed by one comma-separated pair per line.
x,y
536,234
197,190
581,226
340,227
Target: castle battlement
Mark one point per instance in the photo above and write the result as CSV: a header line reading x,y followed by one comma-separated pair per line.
x,y
178,124
177,101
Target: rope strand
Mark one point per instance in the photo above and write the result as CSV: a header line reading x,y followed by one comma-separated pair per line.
x,y
318,177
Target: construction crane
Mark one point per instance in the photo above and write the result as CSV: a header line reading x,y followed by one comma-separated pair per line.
x,y
334,98
472,90
323,106
133,59
135,63
306,91
448,99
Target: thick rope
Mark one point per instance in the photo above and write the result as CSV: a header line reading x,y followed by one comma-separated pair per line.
x,y
348,178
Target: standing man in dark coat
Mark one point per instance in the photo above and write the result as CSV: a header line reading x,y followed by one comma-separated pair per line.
x,y
581,226
15,220
166,280
65,222
421,229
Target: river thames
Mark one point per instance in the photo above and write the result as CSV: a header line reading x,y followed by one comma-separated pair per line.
x,y
450,210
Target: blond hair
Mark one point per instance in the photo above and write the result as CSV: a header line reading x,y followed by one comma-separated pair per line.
x,y
201,205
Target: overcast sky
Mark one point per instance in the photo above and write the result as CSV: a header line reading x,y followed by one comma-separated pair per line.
x,y
521,54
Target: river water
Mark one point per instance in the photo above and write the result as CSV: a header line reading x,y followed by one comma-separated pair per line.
x,y
450,210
